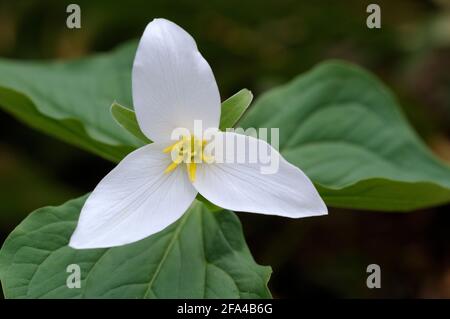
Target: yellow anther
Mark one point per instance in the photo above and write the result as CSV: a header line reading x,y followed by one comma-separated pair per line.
x,y
207,159
190,151
191,168
170,148
171,167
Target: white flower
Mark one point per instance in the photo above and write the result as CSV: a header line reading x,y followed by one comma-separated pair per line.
x,y
152,187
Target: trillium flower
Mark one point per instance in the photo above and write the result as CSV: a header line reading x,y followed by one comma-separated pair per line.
x,y
173,87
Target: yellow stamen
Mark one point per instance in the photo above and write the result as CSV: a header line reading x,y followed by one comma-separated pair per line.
x,y
171,167
190,151
207,159
191,168
169,149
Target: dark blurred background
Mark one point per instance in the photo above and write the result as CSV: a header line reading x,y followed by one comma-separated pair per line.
x,y
260,44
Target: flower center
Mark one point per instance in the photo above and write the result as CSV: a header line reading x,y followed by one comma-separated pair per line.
x,y
188,150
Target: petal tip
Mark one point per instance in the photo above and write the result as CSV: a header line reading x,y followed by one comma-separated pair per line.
x,y
75,243
78,242
322,207
324,211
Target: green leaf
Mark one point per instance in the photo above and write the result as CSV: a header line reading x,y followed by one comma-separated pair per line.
x,y
202,255
126,118
71,100
212,207
344,128
234,107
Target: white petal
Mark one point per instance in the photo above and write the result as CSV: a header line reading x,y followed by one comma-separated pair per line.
x,y
173,85
135,200
243,187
